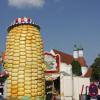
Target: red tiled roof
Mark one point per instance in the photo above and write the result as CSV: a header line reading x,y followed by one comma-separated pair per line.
x,y
88,73
82,61
65,58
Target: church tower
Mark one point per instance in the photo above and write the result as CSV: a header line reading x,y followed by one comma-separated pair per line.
x,y
80,52
75,52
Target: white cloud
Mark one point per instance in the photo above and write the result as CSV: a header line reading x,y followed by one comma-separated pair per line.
x,y
26,3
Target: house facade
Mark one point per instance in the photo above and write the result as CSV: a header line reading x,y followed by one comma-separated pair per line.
x,y
70,87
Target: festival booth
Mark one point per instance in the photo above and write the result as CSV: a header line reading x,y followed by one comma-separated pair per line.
x,y
52,76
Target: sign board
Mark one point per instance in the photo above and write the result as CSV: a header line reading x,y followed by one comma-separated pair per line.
x,y
93,90
52,62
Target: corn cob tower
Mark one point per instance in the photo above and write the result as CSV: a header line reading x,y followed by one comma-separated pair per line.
x,y
25,60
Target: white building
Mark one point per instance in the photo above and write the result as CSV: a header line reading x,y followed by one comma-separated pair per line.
x,y
70,87
66,60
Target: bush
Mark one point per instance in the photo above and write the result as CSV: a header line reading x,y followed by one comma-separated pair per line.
x,y
76,68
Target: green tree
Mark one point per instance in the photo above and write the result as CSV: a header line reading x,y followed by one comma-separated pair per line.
x,y
95,76
76,68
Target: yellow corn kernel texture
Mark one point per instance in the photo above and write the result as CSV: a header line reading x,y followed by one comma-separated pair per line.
x,y
24,48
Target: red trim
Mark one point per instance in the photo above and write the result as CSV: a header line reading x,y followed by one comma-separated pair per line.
x,y
57,57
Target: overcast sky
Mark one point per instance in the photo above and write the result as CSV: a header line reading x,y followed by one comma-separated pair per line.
x,y
63,23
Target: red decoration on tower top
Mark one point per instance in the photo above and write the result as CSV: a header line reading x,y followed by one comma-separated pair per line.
x,y
22,20
16,20
28,19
